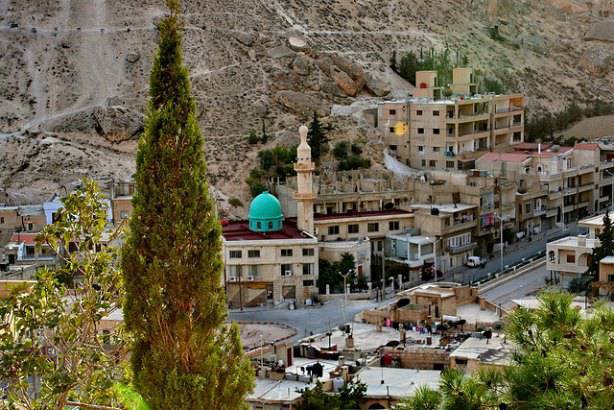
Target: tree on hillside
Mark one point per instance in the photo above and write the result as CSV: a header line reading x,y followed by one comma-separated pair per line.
x,y
54,355
605,248
184,356
316,137
409,66
393,62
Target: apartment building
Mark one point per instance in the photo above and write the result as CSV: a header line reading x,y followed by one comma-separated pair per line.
x,y
426,131
569,257
605,284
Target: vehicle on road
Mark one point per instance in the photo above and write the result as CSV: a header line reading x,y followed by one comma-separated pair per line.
x,y
475,262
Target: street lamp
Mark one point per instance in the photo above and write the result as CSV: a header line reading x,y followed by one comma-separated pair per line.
x,y
345,294
501,218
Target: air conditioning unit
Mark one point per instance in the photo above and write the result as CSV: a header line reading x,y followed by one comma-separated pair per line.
x,y
250,278
232,279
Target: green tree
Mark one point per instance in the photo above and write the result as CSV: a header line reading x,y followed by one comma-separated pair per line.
x,y
184,356
252,138
340,151
317,139
264,137
409,66
348,398
53,354
605,248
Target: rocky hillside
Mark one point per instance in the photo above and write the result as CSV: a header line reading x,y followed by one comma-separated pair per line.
x,y
73,73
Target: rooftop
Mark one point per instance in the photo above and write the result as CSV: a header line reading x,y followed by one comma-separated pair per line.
x,y
239,231
398,383
608,260
366,337
573,242
495,350
27,238
362,214
594,221
517,157
277,391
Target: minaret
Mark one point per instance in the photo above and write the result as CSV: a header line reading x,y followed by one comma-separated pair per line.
x,y
304,195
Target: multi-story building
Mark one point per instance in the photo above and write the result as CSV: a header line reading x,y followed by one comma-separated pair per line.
x,y
428,131
568,258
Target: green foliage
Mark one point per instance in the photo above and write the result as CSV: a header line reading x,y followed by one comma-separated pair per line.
x,y
130,398
235,202
349,397
253,137
494,34
184,355
329,273
264,137
354,162
393,62
273,163
424,398
65,315
605,248
316,138
440,61
545,126
492,85
340,151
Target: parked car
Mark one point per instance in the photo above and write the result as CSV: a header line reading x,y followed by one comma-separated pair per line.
x,y
475,262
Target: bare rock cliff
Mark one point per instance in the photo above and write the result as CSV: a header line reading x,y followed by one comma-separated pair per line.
x,y
74,73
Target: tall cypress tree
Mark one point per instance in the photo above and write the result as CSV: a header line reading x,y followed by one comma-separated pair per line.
x,y
316,137
184,356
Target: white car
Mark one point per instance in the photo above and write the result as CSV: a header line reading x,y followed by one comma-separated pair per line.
x,y
475,262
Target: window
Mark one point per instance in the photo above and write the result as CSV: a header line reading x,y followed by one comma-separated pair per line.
x,y
333,230
307,268
610,278
258,225
527,208
30,226
436,149
353,228
235,254
308,283
436,113
432,163
286,269
420,148
449,164
234,271
286,253
373,227
123,215
391,129
394,225
393,112
308,252
393,148
570,258
450,130
419,112
423,163
435,131
253,253
252,270
1,220
380,245
517,137
420,130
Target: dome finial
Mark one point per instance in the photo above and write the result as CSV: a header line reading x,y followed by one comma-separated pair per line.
x,y
303,133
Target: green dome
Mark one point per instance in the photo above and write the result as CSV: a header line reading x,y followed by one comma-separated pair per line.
x,y
265,214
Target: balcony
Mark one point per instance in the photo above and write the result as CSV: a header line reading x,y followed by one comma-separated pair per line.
x,y
459,226
539,212
463,248
565,267
551,212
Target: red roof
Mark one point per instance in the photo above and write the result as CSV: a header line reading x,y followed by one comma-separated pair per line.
x,y
531,146
239,231
587,146
505,156
26,237
362,214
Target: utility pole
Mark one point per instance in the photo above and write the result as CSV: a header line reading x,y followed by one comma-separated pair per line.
x,y
345,294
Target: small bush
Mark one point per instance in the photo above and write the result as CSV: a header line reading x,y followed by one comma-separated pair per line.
x,y
341,149
235,202
253,137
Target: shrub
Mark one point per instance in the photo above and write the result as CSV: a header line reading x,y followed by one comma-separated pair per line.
x,y
252,137
235,202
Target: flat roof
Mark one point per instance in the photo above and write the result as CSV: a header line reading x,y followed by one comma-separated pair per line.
x,y
517,157
572,242
495,350
362,214
27,238
595,221
607,259
269,390
239,231
397,382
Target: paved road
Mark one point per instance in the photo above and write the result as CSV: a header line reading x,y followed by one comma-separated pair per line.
x,y
528,250
519,287
316,319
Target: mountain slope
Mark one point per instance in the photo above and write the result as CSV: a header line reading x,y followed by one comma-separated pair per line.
x,y
78,70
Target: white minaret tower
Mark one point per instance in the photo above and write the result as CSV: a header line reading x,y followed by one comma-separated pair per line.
x,y
304,195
